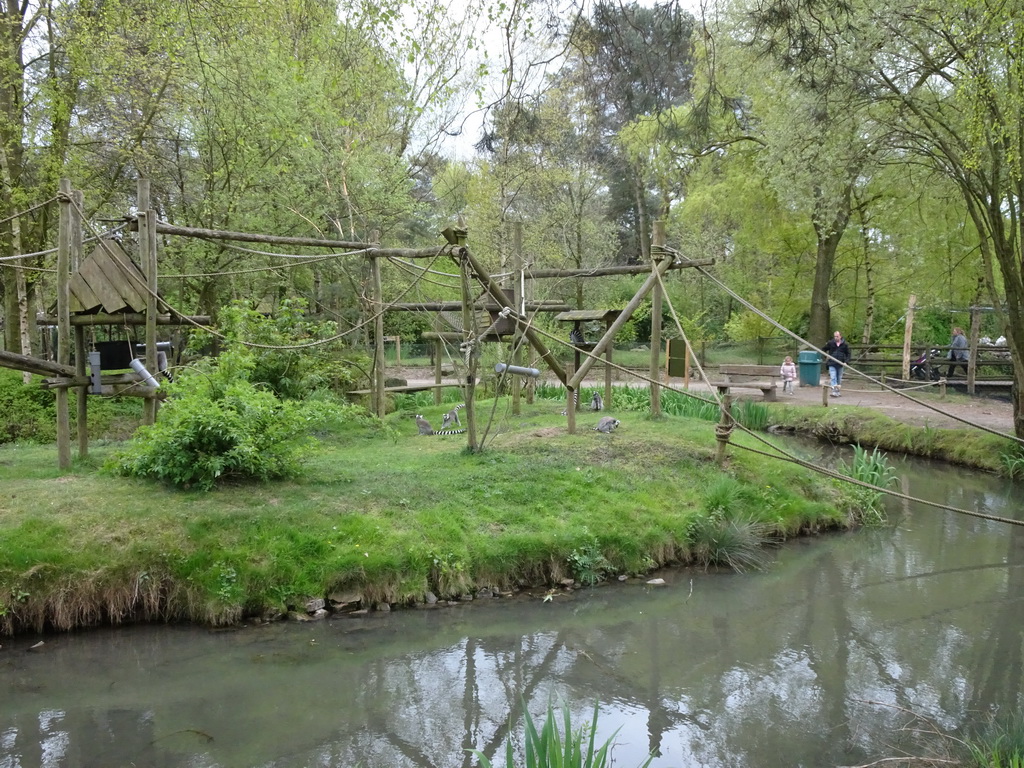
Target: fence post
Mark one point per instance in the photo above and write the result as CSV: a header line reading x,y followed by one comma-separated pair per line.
x,y
908,332
972,354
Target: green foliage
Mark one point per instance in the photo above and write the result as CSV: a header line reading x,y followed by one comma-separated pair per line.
x,y
293,355
545,748
27,411
587,562
872,468
218,425
728,531
1012,460
999,743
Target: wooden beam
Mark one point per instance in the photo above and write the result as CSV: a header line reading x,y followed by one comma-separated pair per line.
x,y
659,270
365,249
128,318
33,365
502,298
456,306
625,269
657,254
64,321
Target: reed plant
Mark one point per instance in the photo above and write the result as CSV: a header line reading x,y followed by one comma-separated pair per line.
x,y
1012,460
874,469
550,747
999,743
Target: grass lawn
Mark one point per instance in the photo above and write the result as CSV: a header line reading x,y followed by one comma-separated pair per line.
x,y
389,516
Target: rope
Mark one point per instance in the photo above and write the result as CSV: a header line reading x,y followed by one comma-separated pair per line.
x,y
106,234
888,491
29,210
228,273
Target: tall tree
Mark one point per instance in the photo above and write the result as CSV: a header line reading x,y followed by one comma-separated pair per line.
x,y
632,60
951,77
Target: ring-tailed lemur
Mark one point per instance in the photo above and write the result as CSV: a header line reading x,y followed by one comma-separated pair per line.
x,y
426,429
596,402
606,424
452,415
576,337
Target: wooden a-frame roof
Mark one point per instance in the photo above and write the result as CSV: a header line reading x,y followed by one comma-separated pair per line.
x,y
108,281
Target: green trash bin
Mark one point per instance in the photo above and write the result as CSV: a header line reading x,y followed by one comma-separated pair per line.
x,y
810,368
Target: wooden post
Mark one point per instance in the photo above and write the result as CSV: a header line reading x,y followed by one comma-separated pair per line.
x,y
502,298
942,387
469,334
438,351
908,331
686,366
64,321
82,417
972,351
570,402
398,351
517,294
147,252
724,427
657,254
660,268
608,369
377,304
825,389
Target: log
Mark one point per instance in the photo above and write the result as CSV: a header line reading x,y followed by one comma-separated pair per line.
x,y
34,365
128,318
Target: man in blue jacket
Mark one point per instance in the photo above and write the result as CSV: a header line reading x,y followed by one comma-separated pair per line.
x,y
838,352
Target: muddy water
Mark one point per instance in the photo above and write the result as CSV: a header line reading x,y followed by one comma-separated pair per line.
x,y
815,662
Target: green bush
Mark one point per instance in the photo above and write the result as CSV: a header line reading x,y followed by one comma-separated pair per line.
x,y
218,425
294,355
27,412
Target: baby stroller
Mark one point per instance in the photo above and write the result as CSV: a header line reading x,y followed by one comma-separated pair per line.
x,y
922,368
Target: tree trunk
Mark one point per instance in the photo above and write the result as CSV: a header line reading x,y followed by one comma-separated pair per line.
x,y
869,286
829,234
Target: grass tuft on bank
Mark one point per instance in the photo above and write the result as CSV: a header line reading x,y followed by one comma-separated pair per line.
x,y
389,516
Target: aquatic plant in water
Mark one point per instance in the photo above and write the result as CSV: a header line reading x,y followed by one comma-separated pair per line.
x,y
874,469
545,748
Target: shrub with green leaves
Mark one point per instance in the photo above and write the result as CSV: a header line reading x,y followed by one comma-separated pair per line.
x,y
295,356
27,411
217,425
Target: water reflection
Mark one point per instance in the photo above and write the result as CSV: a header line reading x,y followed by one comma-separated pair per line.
x,y
814,662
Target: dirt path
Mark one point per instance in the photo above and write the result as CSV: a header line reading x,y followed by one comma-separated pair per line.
x,y
991,412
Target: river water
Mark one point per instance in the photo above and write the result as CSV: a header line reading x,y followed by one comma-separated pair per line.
x,y
823,659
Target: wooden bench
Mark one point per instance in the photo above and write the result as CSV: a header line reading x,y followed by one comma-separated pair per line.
x,y
741,375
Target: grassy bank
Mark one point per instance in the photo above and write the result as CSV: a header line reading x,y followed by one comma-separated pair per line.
x,y
384,516
869,428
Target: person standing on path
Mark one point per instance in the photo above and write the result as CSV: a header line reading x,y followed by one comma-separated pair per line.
x,y
788,372
957,352
838,355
